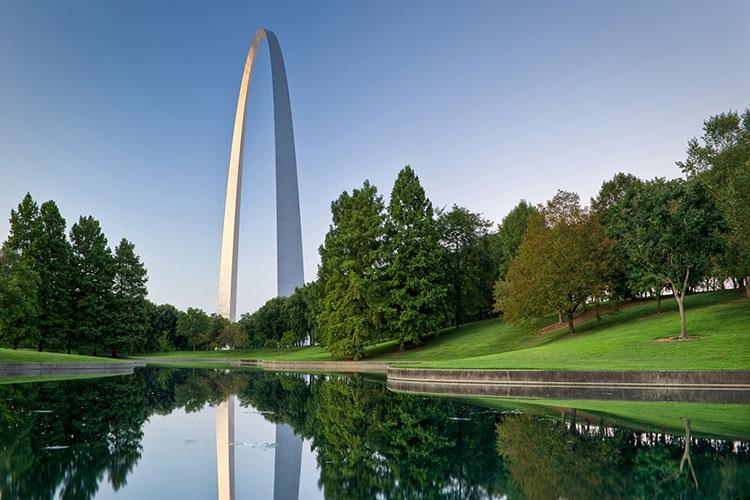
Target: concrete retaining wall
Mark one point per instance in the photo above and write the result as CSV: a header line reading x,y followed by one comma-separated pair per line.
x,y
676,386
672,378
324,366
103,368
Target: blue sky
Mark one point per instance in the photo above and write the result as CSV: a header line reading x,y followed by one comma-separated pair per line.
x,y
124,110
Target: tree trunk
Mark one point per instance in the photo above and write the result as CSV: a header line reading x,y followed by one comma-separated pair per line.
x,y
559,316
680,298
401,347
747,287
571,328
658,303
40,346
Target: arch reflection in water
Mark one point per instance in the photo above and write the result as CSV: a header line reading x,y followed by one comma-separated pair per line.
x,y
287,456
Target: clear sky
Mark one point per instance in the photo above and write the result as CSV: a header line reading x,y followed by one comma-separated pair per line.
x,y
124,110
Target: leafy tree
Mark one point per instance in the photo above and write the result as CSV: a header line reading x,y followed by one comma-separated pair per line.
x,y
510,233
721,160
193,326
93,278
266,326
416,294
130,308
296,326
673,230
470,267
351,272
565,260
162,320
53,260
18,299
611,206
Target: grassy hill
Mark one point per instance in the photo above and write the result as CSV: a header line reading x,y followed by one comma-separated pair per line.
x,y
29,356
627,337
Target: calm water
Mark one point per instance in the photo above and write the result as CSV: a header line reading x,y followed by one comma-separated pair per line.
x,y
166,433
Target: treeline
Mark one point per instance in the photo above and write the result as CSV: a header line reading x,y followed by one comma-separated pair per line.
x,y
641,237
69,292
405,270
400,271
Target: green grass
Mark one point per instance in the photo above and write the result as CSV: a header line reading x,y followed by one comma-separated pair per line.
x,y
716,420
624,339
627,340
29,356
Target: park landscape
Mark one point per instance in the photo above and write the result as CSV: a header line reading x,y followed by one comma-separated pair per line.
x,y
573,347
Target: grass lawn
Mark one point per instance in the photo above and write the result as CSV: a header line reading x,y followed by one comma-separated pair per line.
x,y
627,340
30,356
624,339
716,420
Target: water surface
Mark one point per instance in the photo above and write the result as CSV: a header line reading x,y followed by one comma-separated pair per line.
x,y
202,433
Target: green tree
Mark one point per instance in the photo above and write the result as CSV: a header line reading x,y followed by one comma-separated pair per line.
x,y
18,299
351,273
470,267
673,231
53,260
510,233
193,326
565,260
721,160
24,227
296,326
416,295
611,206
94,271
130,308
162,320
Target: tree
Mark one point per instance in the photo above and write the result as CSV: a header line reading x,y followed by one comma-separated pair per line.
x,y
162,320
93,278
296,326
53,260
193,326
351,272
24,227
611,206
564,261
18,299
673,230
510,233
721,160
470,269
416,294
130,309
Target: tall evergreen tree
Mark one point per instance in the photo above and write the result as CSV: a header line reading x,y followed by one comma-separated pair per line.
x,y
19,308
24,227
510,233
416,292
130,309
351,273
53,261
92,292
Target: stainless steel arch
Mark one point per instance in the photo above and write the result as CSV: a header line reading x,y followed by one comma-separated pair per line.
x,y
290,272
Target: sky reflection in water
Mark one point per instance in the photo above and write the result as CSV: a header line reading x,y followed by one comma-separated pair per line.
x,y
161,433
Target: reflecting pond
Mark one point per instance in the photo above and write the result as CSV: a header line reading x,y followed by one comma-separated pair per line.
x,y
205,433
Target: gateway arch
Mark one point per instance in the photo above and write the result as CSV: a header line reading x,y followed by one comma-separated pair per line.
x,y
289,267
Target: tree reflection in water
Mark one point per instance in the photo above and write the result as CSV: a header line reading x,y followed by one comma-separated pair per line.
x,y
369,442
